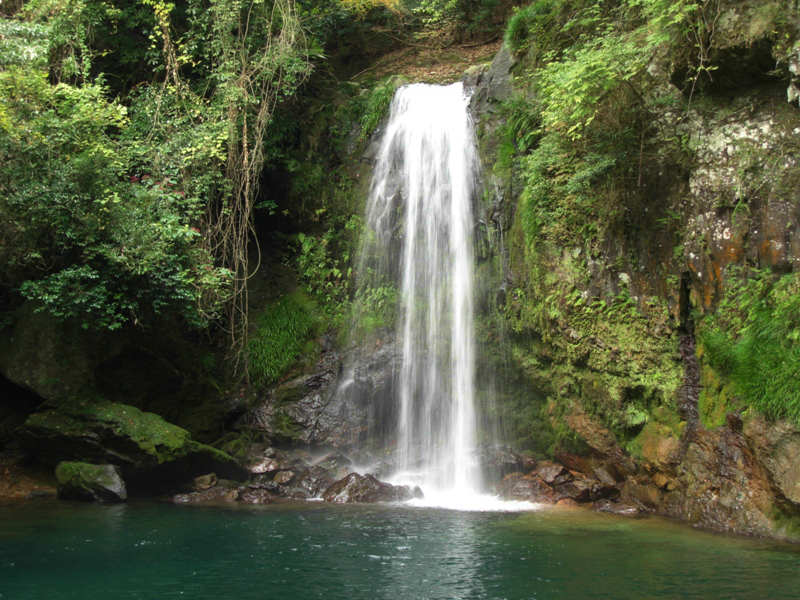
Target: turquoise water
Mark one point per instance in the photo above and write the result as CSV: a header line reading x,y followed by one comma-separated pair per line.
x,y
150,551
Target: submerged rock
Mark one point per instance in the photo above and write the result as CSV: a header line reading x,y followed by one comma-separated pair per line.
x,y
366,488
84,481
618,508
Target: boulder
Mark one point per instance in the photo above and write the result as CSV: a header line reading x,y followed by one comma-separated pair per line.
x,y
222,492
250,495
366,488
491,86
261,459
584,489
567,503
152,454
722,486
84,481
552,473
336,464
777,446
203,482
529,488
330,406
283,477
573,462
312,482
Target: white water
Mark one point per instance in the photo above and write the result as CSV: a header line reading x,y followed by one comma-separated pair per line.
x,y
423,187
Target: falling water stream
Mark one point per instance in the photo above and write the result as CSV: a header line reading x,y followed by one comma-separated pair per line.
x,y
420,214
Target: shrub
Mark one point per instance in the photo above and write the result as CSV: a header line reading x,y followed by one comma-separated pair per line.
x,y
281,335
754,340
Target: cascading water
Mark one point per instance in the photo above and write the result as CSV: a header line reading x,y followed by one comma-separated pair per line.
x,y
419,216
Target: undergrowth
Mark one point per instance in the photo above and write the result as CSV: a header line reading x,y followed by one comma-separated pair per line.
x,y
280,337
754,340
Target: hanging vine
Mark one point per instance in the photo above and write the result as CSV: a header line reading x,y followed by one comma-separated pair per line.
x,y
262,58
257,54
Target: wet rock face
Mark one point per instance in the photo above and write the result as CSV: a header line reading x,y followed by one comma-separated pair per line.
x,y
722,485
498,461
740,203
84,481
335,405
737,478
366,488
491,86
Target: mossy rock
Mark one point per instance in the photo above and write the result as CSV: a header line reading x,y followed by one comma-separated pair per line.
x,y
84,481
658,444
151,452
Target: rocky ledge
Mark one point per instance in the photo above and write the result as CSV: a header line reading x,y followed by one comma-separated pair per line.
x,y
285,475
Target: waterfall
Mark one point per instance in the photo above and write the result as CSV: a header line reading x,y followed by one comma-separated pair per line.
x,y
419,236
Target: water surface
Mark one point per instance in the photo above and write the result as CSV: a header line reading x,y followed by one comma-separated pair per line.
x,y
152,551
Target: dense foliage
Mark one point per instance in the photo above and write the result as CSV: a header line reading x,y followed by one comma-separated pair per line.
x,y
131,199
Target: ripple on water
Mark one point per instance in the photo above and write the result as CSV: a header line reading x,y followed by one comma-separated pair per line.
x,y
375,552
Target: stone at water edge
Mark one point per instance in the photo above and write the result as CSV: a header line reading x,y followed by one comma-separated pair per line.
x,y
366,488
204,482
617,508
84,481
527,488
311,482
223,491
567,503
256,496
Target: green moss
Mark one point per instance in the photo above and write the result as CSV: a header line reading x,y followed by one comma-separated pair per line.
x,y
716,398
153,436
785,524
237,444
646,445
150,432
81,474
284,426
